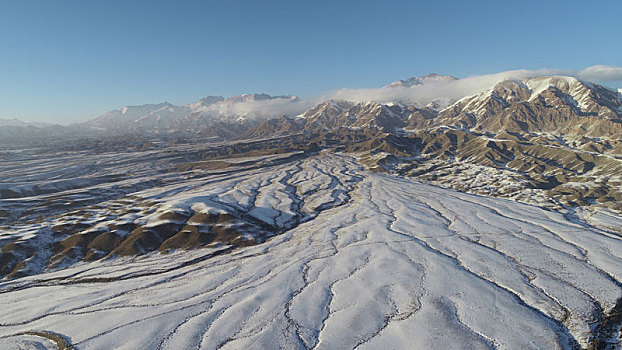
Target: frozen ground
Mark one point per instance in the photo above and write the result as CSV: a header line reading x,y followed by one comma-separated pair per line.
x,y
395,264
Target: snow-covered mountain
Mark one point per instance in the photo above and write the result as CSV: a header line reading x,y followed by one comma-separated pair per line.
x,y
363,115
144,117
242,112
428,79
562,105
209,116
556,104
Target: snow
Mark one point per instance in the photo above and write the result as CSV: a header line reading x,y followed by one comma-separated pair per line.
x,y
577,90
391,263
602,218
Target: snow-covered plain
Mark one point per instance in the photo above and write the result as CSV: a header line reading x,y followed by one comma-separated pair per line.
x,y
394,264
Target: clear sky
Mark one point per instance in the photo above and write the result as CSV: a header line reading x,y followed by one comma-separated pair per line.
x,y
69,60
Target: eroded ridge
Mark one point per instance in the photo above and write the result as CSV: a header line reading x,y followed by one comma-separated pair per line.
x,y
375,262
246,202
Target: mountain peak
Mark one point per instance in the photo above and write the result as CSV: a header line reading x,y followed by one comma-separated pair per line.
x,y
430,78
208,100
249,98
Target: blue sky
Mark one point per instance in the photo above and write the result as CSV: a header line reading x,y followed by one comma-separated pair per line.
x,y
69,60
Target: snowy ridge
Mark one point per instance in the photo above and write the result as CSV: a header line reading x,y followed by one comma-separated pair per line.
x,y
578,90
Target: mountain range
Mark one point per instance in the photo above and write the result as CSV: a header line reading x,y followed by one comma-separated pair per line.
x,y
557,104
562,105
211,116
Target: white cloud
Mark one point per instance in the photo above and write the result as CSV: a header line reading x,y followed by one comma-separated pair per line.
x,y
601,73
274,107
443,91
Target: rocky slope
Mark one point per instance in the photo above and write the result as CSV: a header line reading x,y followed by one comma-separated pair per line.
x,y
559,105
